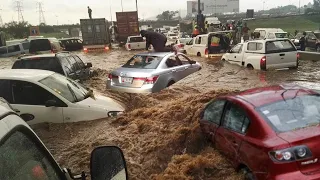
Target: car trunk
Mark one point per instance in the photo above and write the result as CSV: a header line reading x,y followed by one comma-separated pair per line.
x,y
310,137
132,77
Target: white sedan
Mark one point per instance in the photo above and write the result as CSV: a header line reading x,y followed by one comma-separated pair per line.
x,y
45,96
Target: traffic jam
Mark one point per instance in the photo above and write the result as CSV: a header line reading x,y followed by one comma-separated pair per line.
x,y
168,104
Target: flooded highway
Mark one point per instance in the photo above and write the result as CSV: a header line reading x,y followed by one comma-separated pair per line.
x,y
159,133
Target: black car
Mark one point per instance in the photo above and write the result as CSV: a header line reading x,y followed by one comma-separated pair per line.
x,y
71,44
64,63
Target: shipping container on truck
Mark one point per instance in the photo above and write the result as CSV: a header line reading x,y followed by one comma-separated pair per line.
x,y
95,34
127,24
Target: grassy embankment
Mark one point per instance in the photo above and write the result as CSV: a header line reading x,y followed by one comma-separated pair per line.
x,y
288,24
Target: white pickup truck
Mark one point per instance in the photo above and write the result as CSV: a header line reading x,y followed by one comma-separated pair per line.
x,y
264,54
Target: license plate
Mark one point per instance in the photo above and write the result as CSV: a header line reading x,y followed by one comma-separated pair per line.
x,y
126,80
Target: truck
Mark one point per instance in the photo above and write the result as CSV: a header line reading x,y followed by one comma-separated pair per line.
x,y
95,34
127,24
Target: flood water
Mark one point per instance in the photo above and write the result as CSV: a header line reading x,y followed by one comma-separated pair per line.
x,y
159,133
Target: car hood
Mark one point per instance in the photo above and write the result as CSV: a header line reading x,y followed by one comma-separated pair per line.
x,y
101,102
133,72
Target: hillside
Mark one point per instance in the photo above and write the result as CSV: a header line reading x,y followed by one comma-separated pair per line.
x,y
289,24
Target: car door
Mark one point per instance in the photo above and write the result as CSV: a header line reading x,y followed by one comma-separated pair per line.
x,y
211,118
235,55
198,46
311,40
29,98
188,47
231,133
175,71
187,67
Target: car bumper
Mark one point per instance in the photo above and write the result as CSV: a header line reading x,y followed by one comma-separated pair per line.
x,y
144,89
297,175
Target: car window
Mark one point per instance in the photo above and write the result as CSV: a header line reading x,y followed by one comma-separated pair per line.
x,y
27,93
183,58
213,111
5,90
291,114
74,64
21,158
26,45
311,36
45,63
65,65
136,39
271,36
281,35
3,50
262,33
40,45
198,40
143,62
236,119
204,41
279,46
79,61
14,48
253,46
237,48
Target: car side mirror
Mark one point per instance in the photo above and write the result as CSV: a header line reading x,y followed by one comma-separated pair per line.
x,y
107,162
193,62
89,65
51,103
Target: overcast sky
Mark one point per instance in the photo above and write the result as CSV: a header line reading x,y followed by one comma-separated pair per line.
x,y
70,11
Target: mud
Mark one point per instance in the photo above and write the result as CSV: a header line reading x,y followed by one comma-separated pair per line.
x,y
159,133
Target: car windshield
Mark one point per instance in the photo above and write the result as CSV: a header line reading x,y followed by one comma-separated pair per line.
x,y
185,41
67,88
293,114
143,62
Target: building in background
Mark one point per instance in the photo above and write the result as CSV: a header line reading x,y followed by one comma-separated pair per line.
x,y
210,7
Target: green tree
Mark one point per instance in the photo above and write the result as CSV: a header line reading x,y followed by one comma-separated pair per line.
x,y
17,29
167,15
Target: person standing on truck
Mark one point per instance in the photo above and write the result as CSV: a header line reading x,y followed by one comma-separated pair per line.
x,y
157,40
195,32
90,12
245,32
302,42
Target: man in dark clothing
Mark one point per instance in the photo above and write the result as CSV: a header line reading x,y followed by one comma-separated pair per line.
x,y
90,12
302,42
157,40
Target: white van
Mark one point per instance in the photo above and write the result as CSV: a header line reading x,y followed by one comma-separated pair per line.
x,y
14,49
270,33
199,46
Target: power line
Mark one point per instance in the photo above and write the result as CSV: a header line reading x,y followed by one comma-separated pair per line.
x,y
19,10
41,13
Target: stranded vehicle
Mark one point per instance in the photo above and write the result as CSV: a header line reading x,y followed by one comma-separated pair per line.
x,y
264,54
24,156
268,133
135,43
151,72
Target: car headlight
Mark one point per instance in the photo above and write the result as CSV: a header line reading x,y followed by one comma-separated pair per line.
x,y
114,113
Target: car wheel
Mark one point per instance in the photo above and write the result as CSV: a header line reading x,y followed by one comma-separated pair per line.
x,y
199,54
248,175
170,83
249,66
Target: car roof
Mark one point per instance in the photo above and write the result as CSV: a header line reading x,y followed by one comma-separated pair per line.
x,y
38,56
270,94
32,75
160,54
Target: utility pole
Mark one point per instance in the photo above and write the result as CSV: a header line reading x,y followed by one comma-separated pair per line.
x,y
57,20
41,13
1,22
121,5
299,7
137,5
19,10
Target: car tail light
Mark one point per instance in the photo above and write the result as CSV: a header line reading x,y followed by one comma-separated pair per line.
x,y
263,63
181,45
110,76
129,46
206,51
85,49
106,48
148,80
298,56
291,154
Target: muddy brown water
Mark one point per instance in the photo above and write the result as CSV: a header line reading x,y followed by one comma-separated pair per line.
x,y
159,133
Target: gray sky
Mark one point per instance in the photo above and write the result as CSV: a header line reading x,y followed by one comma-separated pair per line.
x,y
70,11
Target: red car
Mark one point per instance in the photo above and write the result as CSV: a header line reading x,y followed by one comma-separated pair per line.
x,y
269,133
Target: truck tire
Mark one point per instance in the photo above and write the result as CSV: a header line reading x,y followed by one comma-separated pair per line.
x,y
170,83
248,175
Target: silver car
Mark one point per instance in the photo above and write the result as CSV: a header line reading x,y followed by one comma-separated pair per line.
x,y
151,72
